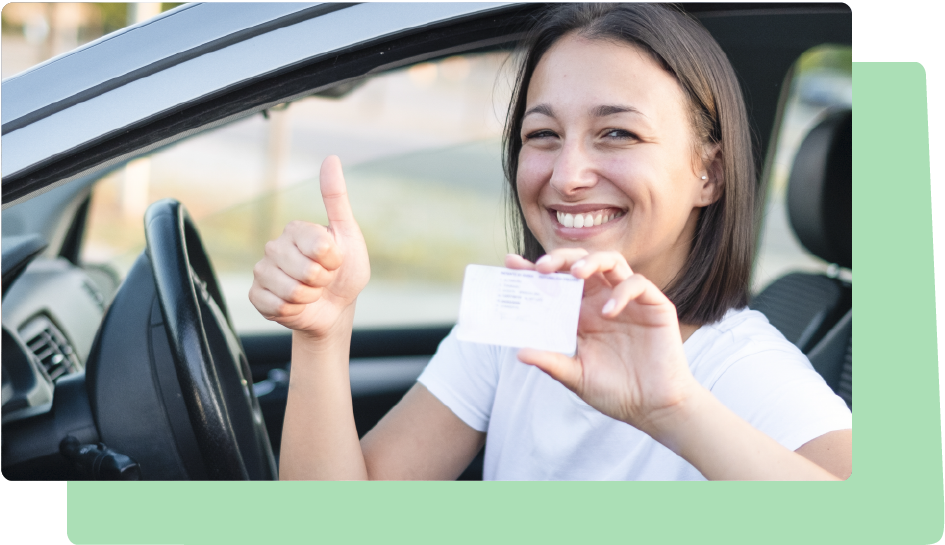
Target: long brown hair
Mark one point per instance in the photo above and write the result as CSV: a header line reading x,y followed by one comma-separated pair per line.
x,y
716,274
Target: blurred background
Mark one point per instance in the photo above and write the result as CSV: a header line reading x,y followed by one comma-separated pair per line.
x,y
421,152
36,31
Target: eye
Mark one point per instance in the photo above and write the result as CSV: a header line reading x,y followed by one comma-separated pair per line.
x,y
542,133
620,134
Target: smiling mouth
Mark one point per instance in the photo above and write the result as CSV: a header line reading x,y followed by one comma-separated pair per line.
x,y
588,219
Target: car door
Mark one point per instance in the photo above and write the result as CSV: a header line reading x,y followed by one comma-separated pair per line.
x,y
421,149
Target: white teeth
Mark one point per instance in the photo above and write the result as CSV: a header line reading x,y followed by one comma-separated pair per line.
x,y
585,220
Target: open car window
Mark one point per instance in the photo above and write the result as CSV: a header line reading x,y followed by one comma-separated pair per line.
x,y
421,149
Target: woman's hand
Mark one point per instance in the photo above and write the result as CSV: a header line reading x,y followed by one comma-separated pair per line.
x,y
311,275
630,363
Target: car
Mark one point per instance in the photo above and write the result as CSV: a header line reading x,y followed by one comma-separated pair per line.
x,y
129,348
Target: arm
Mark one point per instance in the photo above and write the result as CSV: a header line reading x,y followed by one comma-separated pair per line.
x,y
309,281
630,365
722,446
419,439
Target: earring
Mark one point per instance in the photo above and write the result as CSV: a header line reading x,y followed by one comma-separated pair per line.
x,y
705,177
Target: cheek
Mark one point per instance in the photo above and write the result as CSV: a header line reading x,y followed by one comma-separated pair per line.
x,y
533,172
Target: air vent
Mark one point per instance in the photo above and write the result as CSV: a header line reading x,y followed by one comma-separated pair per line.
x,y
50,346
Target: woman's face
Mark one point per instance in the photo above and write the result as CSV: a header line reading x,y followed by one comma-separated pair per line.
x,y
607,158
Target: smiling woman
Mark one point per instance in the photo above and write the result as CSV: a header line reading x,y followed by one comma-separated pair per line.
x,y
631,160
629,113
408,96
683,80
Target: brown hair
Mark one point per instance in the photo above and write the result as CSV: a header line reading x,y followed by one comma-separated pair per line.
x,y
716,274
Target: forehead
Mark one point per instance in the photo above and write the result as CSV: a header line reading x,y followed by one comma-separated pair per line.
x,y
578,71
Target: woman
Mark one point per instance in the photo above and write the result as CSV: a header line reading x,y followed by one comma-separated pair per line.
x,y
629,160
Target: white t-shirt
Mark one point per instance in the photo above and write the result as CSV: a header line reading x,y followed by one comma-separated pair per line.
x,y
539,430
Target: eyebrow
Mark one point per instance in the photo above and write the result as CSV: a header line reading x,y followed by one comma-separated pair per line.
x,y
608,109
540,109
600,111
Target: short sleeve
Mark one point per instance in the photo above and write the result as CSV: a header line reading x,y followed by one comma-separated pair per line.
x,y
464,377
778,392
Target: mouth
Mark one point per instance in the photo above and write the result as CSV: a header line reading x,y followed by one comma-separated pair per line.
x,y
586,218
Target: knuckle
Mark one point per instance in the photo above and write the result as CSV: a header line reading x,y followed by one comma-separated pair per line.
x,y
312,273
271,248
296,294
321,247
283,309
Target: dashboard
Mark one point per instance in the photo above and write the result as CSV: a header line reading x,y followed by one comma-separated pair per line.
x,y
51,314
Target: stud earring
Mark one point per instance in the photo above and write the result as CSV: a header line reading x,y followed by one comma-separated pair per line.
x,y
705,177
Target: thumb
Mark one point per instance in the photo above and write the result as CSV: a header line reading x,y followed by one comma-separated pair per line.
x,y
565,370
335,194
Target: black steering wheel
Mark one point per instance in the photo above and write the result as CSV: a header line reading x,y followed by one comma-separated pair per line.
x,y
211,368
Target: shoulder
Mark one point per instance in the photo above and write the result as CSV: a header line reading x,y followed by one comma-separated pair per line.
x,y
761,376
741,335
464,376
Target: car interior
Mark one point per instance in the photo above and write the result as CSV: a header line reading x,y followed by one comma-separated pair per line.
x,y
144,372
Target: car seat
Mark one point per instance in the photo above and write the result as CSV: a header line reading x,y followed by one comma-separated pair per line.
x,y
814,311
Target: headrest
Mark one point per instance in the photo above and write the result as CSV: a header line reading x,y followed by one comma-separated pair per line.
x,y
820,200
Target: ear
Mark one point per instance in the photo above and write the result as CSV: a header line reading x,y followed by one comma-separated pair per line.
x,y
711,189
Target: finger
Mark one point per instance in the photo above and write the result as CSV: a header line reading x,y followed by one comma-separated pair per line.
x,y
290,290
289,258
514,261
565,370
270,306
312,241
638,289
612,265
335,194
305,270
559,260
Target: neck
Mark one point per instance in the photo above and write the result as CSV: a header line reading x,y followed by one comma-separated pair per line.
x,y
686,330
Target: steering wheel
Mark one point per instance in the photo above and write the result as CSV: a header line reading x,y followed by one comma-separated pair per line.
x,y
213,372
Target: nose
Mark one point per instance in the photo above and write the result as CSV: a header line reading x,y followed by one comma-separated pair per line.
x,y
573,169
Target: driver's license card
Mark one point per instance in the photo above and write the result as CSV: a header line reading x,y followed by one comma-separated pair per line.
x,y
518,308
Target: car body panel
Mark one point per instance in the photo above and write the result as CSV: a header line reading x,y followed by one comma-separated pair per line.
x,y
128,50
207,74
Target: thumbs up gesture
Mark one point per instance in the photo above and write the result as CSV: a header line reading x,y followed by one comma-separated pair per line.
x,y
311,275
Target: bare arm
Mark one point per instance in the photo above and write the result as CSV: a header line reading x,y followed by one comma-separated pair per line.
x,y
420,439
832,451
319,438
722,446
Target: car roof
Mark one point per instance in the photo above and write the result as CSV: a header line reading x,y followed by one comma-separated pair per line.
x,y
202,65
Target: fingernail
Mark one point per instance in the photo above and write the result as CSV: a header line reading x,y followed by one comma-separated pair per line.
x,y
608,306
543,259
578,264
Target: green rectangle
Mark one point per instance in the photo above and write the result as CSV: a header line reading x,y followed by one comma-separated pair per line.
x,y
894,496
